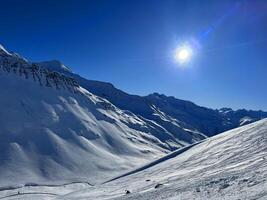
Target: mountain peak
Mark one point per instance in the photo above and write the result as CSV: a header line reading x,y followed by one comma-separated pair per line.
x,y
3,50
157,95
226,110
55,65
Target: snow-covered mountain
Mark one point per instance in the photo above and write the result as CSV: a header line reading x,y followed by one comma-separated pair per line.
x,y
231,165
57,127
53,131
175,115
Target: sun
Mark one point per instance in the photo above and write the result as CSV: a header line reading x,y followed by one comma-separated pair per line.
x,y
183,54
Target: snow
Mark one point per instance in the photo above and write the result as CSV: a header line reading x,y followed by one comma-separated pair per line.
x,y
231,165
57,135
245,120
2,49
55,65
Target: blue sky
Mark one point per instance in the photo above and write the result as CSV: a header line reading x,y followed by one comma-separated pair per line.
x,y
131,44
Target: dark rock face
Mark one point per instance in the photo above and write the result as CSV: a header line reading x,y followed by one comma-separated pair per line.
x,y
14,64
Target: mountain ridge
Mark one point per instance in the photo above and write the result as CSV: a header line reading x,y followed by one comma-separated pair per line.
x,y
214,121
161,108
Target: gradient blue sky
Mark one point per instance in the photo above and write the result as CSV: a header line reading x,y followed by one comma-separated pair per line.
x,y
131,43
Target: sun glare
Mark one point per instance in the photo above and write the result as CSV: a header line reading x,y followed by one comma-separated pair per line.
x,y
183,54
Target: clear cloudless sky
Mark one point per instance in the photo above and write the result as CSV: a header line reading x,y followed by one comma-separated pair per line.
x,y
130,43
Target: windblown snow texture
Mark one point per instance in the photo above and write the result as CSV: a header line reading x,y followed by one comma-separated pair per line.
x,y
231,165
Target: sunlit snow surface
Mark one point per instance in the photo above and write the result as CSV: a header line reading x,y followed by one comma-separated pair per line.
x,y
50,136
232,165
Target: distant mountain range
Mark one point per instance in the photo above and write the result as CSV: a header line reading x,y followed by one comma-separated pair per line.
x,y
171,113
58,127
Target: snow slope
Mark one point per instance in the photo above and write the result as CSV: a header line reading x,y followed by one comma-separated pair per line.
x,y
232,165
